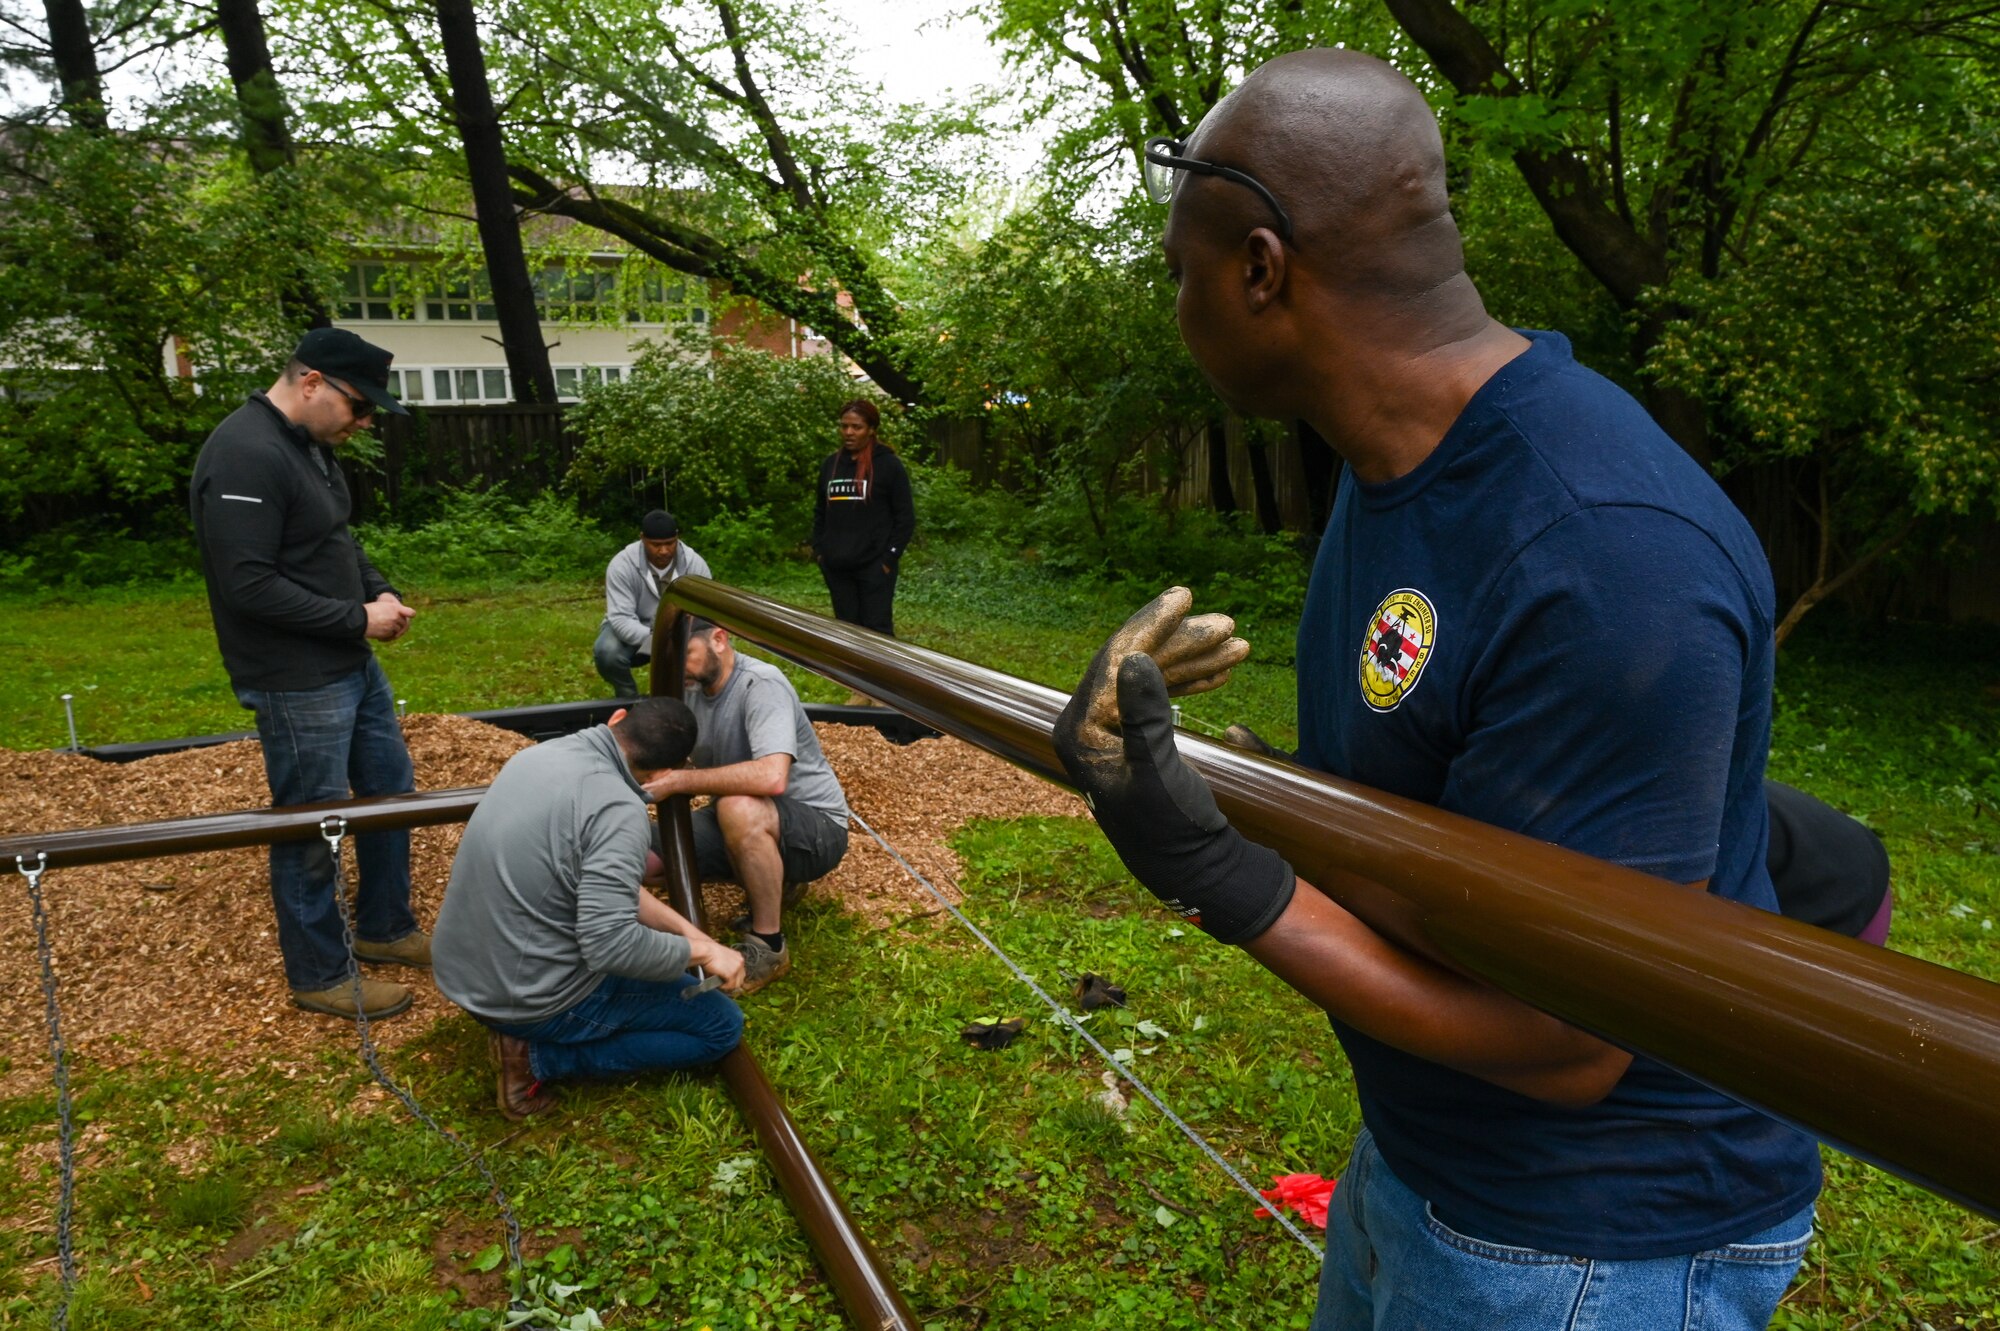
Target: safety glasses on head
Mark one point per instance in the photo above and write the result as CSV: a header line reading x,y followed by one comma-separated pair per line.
x,y
1165,161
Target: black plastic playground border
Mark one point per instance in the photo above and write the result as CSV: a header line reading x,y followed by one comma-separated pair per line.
x,y
540,722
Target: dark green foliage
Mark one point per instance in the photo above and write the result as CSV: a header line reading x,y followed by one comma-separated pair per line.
x,y
742,429
484,535
125,255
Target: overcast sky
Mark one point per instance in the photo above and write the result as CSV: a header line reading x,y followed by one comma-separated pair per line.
x,y
918,50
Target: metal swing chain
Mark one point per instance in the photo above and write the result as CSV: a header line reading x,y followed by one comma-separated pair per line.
x,y
333,829
1064,1015
65,1125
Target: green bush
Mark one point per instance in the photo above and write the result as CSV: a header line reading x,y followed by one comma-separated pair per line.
x,y
486,535
724,426
732,542
81,555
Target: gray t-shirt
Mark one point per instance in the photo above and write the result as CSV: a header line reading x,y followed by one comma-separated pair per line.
x,y
757,714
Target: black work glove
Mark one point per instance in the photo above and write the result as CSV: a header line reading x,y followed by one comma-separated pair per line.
x,y
1116,741
1240,736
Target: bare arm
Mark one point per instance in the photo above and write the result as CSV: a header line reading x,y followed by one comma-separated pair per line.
x,y
769,776
1394,996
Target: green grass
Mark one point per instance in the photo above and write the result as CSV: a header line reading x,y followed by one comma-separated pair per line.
x,y
143,664
997,1188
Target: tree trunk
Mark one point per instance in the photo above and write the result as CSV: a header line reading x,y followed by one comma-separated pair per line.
x,y
267,138
1825,581
1221,492
1321,467
492,200
75,56
1267,490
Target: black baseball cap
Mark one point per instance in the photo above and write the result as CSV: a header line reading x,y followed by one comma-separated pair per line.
x,y
345,356
659,525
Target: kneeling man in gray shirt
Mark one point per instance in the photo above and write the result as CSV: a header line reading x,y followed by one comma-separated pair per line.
x,y
546,935
778,819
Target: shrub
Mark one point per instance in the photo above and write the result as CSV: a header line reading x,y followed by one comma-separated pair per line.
x,y
484,534
724,426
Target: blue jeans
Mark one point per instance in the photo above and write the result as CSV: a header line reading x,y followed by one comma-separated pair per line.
x,y
615,658
318,745
1392,1266
627,1026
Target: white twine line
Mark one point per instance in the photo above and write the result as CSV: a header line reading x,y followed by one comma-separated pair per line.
x,y
1063,1015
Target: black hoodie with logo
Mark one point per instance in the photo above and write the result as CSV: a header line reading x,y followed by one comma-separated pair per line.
x,y
858,524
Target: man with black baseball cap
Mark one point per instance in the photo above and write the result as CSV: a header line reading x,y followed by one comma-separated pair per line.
x,y
295,603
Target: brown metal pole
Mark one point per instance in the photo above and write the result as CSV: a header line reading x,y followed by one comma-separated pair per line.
x,y
1889,1058
246,827
859,1280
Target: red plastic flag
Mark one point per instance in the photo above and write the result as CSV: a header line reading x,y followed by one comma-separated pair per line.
x,y
1308,1194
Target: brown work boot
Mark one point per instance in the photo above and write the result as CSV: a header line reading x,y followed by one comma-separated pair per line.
x,y
379,999
760,964
516,1091
413,949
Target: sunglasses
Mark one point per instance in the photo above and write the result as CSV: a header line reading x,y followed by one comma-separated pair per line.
x,y
361,407
1165,160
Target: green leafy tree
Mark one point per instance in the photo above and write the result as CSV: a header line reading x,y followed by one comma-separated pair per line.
x,y
1788,205
736,431
729,141
1121,73
144,262
1059,333
1716,177
119,361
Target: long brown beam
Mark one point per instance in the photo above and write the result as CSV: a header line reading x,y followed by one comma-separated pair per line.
x,y
246,827
853,1268
859,1280
1886,1057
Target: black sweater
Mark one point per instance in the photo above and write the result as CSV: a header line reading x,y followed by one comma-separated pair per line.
x,y
852,529
286,579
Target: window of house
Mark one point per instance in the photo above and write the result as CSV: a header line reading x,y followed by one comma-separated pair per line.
x,y
468,383
565,294
463,299
659,298
408,383
571,380
377,291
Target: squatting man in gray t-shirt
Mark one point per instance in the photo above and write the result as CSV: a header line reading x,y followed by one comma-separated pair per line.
x,y
632,582
546,935
778,819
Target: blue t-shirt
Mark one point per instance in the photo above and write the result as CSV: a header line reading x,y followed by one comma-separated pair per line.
x,y
1559,625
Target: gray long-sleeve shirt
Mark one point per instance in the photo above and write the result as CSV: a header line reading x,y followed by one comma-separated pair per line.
x,y
543,901
632,589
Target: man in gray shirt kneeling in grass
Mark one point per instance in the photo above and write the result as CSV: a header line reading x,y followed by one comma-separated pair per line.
x,y
546,935
779,818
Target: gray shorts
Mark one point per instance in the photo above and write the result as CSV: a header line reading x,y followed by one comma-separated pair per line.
x,y
811,842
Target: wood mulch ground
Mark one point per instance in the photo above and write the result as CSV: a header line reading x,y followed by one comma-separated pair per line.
x,y
178,958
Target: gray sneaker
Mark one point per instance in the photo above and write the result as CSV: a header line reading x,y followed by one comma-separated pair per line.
x,y
760,964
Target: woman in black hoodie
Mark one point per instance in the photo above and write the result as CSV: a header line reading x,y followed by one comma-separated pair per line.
x,y
862,521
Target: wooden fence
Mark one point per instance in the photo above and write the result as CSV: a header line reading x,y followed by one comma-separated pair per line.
x,y
509,444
